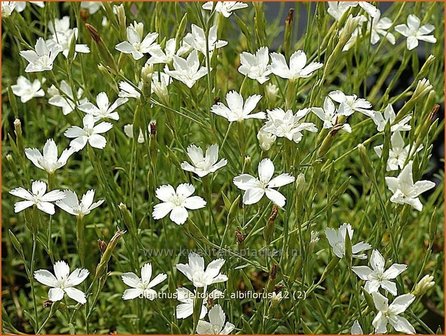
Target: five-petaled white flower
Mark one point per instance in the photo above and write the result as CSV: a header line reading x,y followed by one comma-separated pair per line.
x,y
256,66
195,271
329,115
336,239
187,71
255,188
62,282
379,26
135,44
288,125
49,161
90,133
142,287
177,202
405,191
389,314
415,33
70,203
203,164
197,39
381,119
216,324
38,197
27,90
65,98
42,58
237,109
186,307
62,36
398,153
297,68
224,7
350,104
103,109
377,276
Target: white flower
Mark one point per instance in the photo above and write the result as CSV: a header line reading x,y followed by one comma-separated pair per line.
x,y
142,287
288,125
157,55
177,202
65,98
336,239
376,276
203,164
42,58
255,188
70,203
21,5
356,328
390,314
186,307
187,71
91,6
127,90
216,324
195,271
329,115
266,139
224,7
7,8
49,160
38,197
256,66
337,8
296,69
63,282
350,104
415,33
379,26
62,36
381,119
398,153
405,191
237,109
27,90
103,109
90,133
197,39
135,44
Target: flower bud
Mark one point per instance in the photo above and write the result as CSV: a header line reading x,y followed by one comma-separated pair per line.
x,y
275,299
120,14
366,162
127,217
101,268
424,285
103,50
269,227
271,92
266,139
424,71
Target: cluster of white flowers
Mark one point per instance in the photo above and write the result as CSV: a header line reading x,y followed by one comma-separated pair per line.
x,y
375,277
379,26
187,61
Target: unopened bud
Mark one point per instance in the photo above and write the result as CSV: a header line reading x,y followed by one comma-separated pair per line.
x,y
152,128
366,161
271,92
266,139
269,228
103,50
423,285
424,71
101,269
102,245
